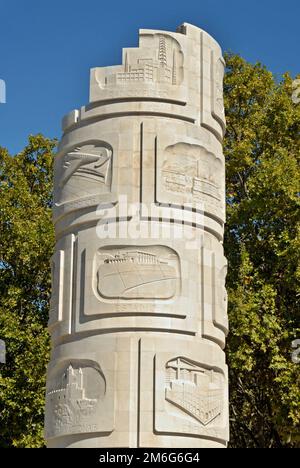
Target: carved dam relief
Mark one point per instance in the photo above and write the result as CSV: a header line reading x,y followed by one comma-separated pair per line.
x,y
86,170
73,401
141,272
196,391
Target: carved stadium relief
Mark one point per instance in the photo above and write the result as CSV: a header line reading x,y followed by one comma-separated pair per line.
x,y
137,273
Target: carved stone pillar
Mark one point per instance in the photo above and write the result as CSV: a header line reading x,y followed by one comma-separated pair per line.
x,y
138,312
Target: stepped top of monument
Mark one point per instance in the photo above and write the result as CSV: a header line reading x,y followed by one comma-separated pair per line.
x,y
169,73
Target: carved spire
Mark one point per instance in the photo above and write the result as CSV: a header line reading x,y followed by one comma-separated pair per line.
x,y
162,51
174,77
126,65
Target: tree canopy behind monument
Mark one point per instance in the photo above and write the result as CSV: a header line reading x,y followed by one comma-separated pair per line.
x,y
27,238
261,243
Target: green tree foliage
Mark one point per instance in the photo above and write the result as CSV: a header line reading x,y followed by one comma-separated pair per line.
x,y
261,244
27,238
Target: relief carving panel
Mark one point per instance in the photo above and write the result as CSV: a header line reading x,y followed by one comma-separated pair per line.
x,y
76,399
195,390
137,273
160,60
189,173
190,396
84,171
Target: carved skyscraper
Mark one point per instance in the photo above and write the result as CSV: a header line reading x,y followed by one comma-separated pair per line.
x,y
138,311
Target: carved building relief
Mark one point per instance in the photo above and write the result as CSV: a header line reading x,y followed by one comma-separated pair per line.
x,y
159,60
190,173
74,400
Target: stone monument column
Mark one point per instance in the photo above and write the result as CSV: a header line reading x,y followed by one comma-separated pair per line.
x,y
138,312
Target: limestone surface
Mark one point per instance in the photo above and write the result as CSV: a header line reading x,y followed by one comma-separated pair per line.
x,y
138,315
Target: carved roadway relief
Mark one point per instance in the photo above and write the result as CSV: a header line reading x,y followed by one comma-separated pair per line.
x,y
190,173
142,272
195,390
74,402
84,171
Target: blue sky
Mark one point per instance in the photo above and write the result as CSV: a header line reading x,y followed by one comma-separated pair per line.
x,y
48,47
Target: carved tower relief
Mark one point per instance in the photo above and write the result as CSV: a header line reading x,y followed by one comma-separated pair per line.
x,y
138,314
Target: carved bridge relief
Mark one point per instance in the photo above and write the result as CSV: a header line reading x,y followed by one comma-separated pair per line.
x,y
74,402
192,174
140,272
84,171
196,391
158,61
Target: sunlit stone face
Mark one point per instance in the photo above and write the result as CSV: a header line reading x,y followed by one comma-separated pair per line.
x,y
138,315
